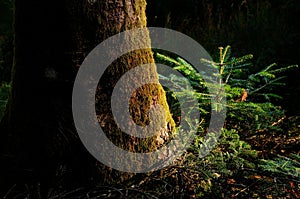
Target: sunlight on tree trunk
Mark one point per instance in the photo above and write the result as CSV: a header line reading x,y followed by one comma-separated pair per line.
x,y
115,18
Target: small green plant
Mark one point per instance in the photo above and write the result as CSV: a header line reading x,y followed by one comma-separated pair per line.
x,y
286,166
238,75
231,153
255,89
251,117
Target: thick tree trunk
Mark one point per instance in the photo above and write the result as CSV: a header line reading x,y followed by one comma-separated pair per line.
x,y
38,138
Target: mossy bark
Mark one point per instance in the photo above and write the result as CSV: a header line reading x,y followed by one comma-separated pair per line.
x,y
51,40
121,16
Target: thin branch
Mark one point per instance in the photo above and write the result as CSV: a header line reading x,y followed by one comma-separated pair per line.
x,y
266,84
10,190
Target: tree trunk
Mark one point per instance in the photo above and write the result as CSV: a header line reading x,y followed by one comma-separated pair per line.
x,y
39,140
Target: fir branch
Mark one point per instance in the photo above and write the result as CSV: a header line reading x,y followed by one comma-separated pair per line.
x,y
266,84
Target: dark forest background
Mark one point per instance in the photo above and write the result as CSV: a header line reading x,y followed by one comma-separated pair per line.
x,y
267,29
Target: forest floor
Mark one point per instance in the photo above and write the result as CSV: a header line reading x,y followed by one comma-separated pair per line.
x,y
187,180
